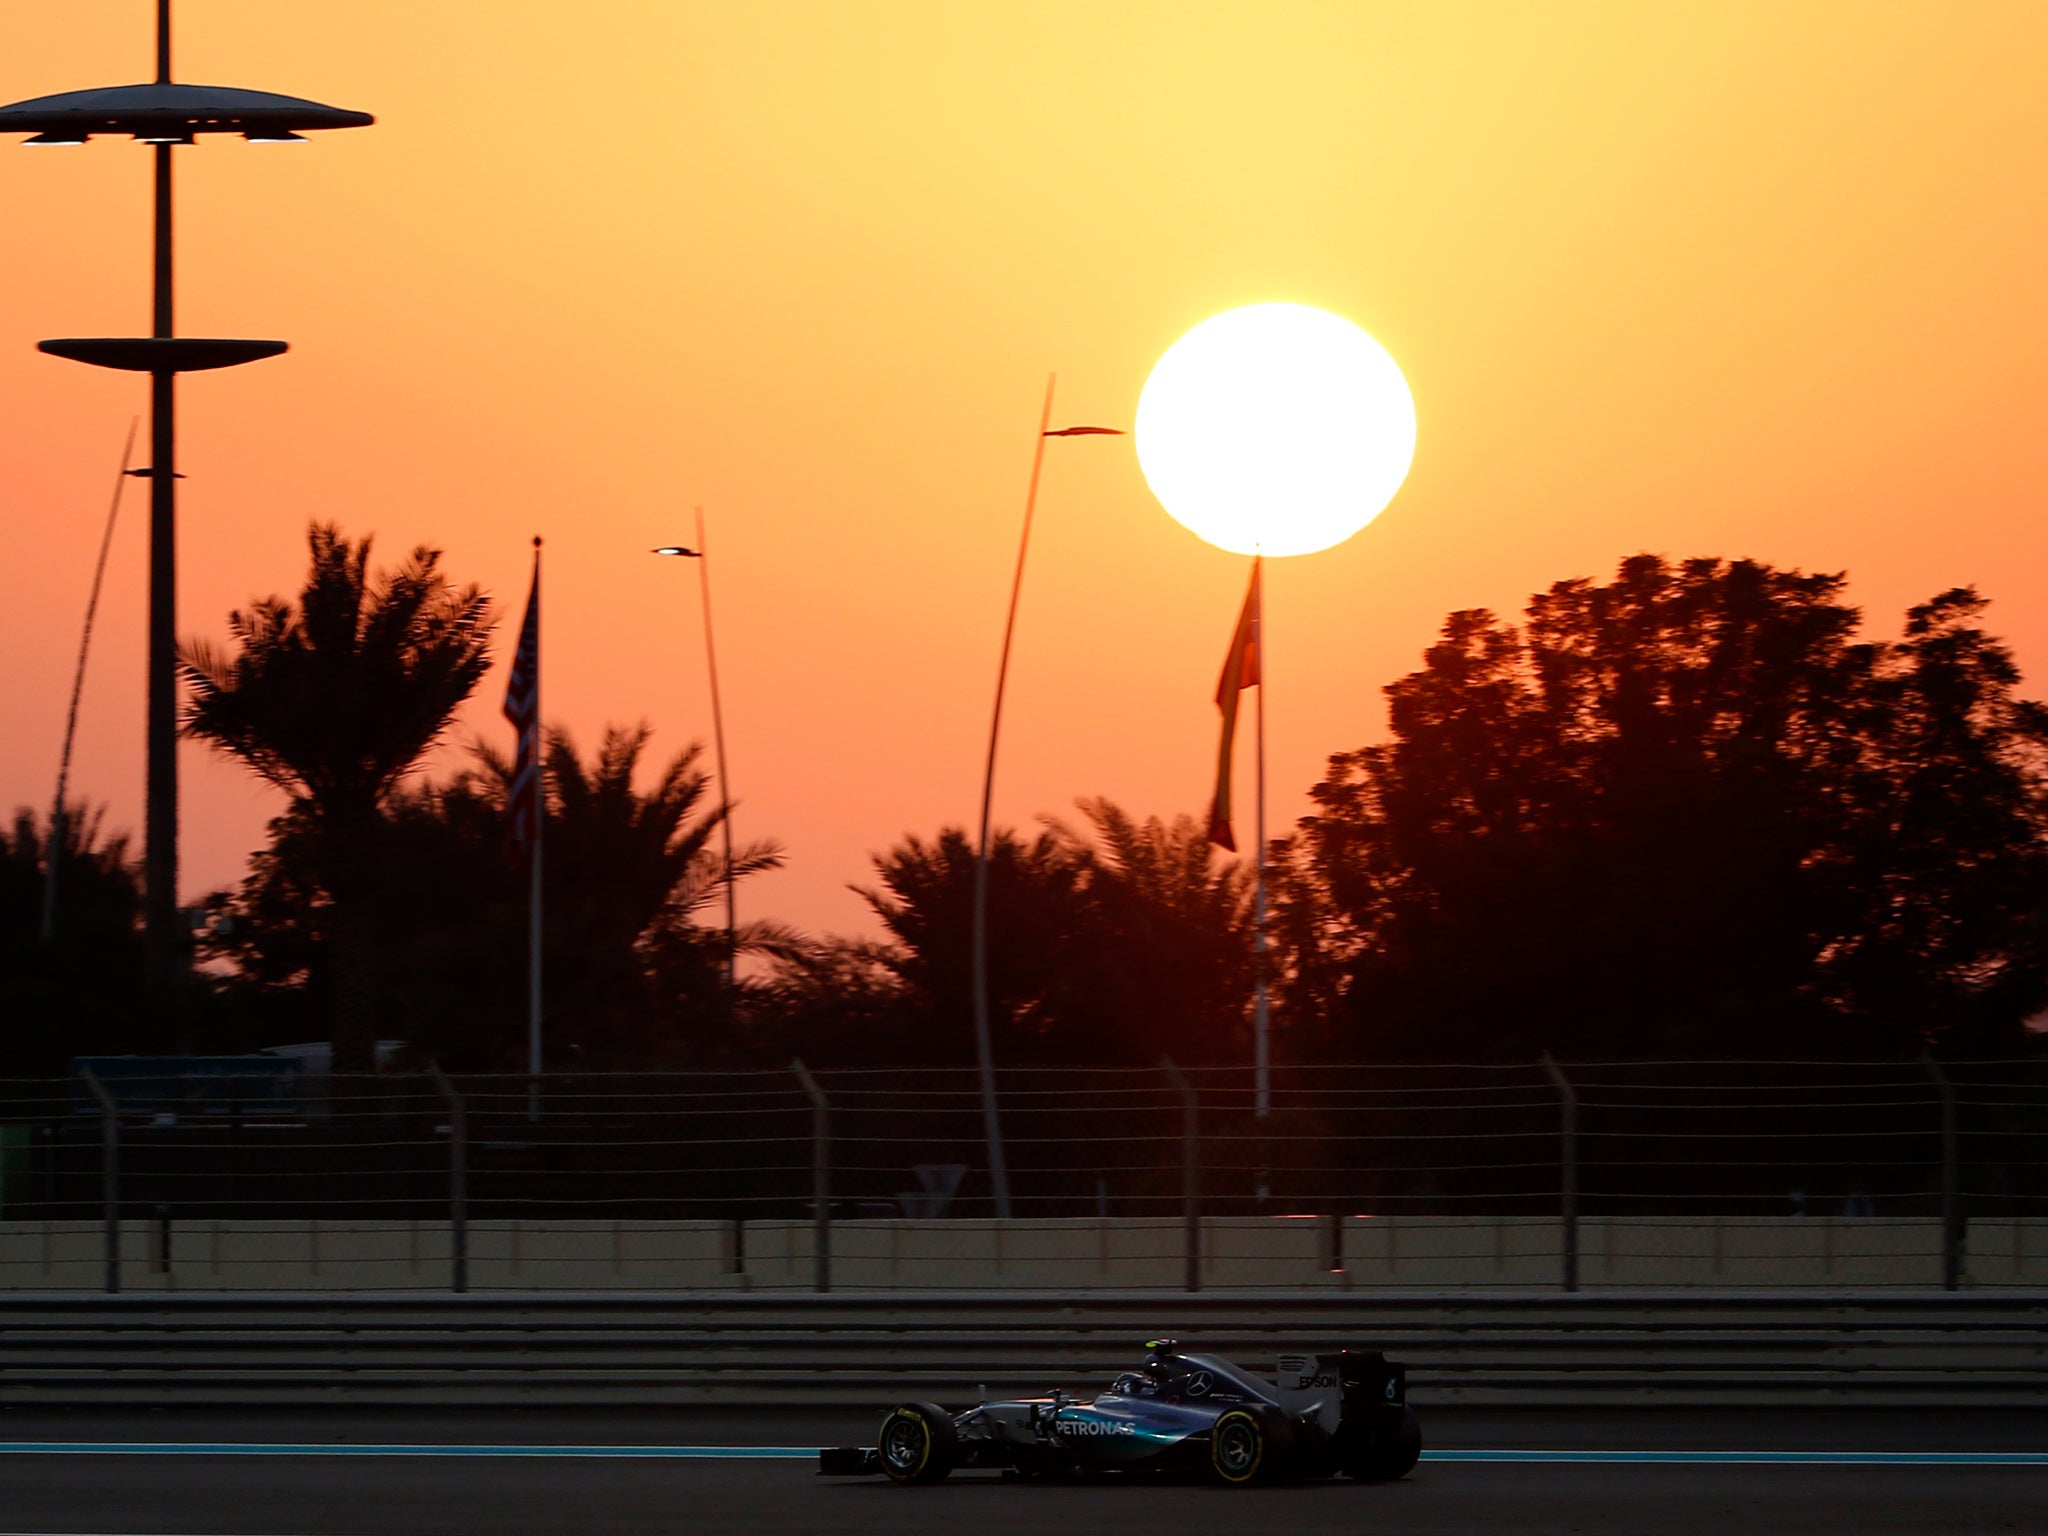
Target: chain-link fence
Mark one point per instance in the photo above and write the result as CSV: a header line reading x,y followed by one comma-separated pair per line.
x,y
253,1175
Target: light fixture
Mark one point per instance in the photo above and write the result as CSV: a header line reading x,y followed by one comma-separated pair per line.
x,y
678,549
273,136
165,113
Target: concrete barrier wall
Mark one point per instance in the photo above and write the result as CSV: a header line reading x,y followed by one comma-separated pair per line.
x,y
1262,1253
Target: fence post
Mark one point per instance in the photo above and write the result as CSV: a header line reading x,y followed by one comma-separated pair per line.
x,y
458,1180
821,1175
1951,1210
1567,1168
110,1176
1191,1170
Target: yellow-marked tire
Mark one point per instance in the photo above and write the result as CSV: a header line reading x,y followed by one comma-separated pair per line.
x,y
917,1444
1241,1448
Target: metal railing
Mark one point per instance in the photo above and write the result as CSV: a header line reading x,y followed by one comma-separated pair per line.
x,y
1932,1350
1547,1173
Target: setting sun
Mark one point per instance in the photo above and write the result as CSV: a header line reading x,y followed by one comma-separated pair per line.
x,y
1276,429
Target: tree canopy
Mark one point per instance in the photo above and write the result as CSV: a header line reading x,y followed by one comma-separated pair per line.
x,y
1687,811
1115,942
82,991
1699,810
334,699
631,976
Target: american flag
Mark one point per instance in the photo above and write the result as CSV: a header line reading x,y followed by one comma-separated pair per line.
x,y
522,708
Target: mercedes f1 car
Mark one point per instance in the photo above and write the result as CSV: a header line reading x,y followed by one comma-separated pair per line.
x,y
1181,1415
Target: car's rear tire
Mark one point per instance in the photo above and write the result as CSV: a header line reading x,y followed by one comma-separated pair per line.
x,y
917,1444
1388,1451
1248,1445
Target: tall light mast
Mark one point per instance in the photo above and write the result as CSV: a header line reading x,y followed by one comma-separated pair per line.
x,y
165,115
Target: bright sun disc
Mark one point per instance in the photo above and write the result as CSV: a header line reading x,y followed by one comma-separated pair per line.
x,y
1275,429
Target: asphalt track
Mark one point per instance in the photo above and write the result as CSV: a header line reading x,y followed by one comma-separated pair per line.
x,y
357,1473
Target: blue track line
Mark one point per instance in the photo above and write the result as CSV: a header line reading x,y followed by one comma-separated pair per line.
x,y
806,1453
266,1448
1758,1458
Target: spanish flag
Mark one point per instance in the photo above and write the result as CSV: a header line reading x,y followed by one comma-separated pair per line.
x,y
1240,671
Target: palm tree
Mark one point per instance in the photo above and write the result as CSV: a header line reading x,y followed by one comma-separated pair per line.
x,y
334,700
924,901
1172,922
629,872
635,960
1114,943
80,991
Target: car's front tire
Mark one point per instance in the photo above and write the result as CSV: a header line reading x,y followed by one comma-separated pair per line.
x,y
917,1444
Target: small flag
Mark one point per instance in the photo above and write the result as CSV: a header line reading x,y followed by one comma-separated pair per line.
x,y
522,708
1240,671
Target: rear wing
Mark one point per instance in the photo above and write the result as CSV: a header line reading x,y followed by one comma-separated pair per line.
x,y
1344,1384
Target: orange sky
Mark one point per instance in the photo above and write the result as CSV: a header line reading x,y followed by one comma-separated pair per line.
x,y
1736,279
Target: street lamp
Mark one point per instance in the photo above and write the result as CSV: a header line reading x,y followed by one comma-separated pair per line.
x,y
701,554
984,1050
165,114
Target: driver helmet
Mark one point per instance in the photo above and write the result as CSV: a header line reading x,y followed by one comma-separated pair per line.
x,y
1162,1358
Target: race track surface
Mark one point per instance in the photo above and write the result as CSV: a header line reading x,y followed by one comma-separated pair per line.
x,y
164,1486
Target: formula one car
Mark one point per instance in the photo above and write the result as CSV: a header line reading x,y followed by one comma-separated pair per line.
x,y
1181,1415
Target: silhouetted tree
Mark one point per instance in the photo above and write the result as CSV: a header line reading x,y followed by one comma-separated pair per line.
x,y
632,977
925,902
843,1002
630,875
1686,811
1116,943
1168,921
334,700
1946,942
81,993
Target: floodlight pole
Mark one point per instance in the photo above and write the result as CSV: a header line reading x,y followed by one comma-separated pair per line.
x,y
163,954
701,554
53,858
984,1045
999,1177
732,918
165,114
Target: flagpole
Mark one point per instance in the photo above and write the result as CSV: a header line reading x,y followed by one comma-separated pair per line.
x,y
533,900
1261,1061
